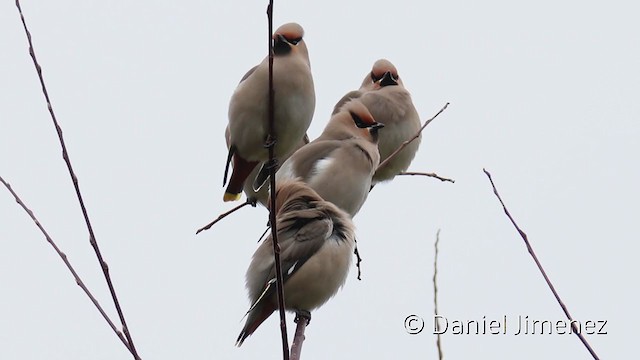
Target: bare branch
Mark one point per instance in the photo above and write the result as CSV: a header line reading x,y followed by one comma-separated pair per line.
x,y
249,201
264,233
302,319
544,274
435,295
433,175
270,144
64,258
358,260
65,156
407,142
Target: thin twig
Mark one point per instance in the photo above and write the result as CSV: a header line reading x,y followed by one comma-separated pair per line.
x,y
407,142
264,234
249,201
433,175
65,156
435,295
358,260
544,274
64,258
296,347
270,143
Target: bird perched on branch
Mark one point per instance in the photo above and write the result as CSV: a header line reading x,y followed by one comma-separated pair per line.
x,y
383,93
294,104
340,163
316,241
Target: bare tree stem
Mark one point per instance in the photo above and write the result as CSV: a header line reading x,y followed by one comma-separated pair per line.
x,y
65,156
271,142
249,201
358,260
542,271
433,175
66,261
435,295
296,347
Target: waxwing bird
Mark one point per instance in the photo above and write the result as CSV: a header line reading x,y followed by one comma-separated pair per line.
x,y
383,93
340,163
248,109
316,241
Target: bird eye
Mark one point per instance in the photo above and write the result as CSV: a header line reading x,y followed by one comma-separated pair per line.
x,y
358,121
295,41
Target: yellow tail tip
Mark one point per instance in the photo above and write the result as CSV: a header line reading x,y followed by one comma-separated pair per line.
x,y
231,197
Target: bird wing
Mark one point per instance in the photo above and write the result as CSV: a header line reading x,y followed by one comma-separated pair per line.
x,y
301,233
354,94
262,177
306,159
248,73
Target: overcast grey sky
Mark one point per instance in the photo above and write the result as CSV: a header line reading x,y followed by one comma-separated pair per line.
x,y
543,94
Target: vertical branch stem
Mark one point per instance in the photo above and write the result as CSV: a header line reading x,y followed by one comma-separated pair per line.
x,y
435,295
298,338
544,273
74,179
271,142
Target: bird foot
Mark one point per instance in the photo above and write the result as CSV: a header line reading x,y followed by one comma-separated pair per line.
x,y
270,142
302,315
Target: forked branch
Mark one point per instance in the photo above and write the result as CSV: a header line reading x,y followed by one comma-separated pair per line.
x,y
74,179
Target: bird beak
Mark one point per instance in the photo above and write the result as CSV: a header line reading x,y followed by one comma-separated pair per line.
x,y
388,79
377,126
373,130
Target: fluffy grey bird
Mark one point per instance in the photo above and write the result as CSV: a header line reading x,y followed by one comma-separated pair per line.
x,y
317,241
248,109
340,163
383,93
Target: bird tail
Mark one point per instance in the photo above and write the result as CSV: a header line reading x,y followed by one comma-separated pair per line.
x,y
257,315
241,170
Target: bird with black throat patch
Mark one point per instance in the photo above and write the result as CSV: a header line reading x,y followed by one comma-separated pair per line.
x,y
294,104
383,93
340,163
